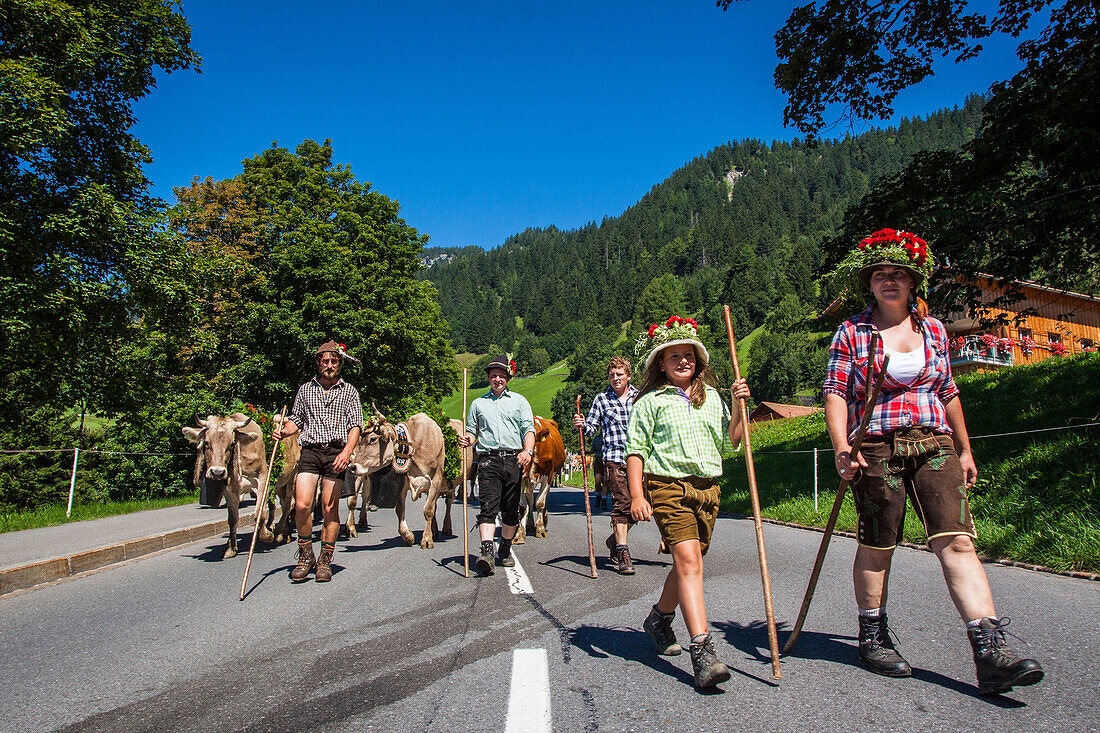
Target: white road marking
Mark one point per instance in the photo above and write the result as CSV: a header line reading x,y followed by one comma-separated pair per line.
x,y
529,699
518,582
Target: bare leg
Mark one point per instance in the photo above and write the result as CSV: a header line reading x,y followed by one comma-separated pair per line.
x,y
330,509
304,490
965,576
871,576
684,586
621,528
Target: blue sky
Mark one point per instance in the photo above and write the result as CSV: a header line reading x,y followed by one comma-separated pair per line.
x,y
483,119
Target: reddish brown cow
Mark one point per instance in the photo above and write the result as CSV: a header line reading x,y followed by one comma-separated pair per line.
x,y
541,473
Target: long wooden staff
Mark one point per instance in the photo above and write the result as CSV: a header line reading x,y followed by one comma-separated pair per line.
x,y
773,639
465,489
868,409
261,503
587,506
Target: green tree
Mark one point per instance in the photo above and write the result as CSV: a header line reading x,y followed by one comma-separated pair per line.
x,y
662,297
77,227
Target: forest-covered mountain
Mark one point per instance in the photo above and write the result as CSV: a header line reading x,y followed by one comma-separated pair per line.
x,y
740,225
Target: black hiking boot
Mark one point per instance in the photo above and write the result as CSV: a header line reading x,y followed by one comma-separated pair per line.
x,y
708,670
658,627
999,668
876,649
484,563
504,554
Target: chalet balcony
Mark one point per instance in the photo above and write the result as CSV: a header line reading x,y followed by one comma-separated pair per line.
x,y
976,352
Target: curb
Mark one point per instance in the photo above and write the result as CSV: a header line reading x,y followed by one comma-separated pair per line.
x,y
59,568
1079,575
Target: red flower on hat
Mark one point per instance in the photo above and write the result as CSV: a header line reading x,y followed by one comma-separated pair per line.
x,y
653,329
342,347
691,322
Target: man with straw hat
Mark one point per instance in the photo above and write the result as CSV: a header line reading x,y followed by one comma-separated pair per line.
x,y
329,415
916,445
505,430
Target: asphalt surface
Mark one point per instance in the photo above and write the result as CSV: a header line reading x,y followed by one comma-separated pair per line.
x,y
400,641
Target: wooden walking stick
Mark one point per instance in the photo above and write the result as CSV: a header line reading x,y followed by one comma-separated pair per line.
x,y
465,489
773,639
261,503
868,409
587,506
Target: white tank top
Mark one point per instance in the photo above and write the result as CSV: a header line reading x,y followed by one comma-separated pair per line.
x,y
904,366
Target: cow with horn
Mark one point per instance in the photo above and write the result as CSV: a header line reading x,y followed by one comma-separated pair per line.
x,y
415,449
328,414
230,450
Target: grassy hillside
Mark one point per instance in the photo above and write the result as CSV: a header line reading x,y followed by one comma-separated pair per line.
x,y
1037,498
538,390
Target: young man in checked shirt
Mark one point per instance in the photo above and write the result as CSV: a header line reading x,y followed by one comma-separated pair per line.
x,y
329,415
609,414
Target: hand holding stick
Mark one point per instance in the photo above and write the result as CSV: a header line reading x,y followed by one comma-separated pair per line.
x,y
465,489
587,506
261,502
773,639
857,443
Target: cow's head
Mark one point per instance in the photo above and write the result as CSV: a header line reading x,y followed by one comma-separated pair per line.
x,y
375,447
216,439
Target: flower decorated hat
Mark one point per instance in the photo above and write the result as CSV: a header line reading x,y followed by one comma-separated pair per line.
x,y
891,248
505,362
675,331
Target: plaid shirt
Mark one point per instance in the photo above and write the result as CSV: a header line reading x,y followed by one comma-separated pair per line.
x,y
674,438
921,403
609,415
326,415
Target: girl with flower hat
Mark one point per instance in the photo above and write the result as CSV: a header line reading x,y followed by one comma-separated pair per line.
x,y
678,432
916,445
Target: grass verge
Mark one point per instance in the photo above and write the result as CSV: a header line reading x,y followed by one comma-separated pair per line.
x,y
53,514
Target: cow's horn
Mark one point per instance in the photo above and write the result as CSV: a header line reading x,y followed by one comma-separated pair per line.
x,y
205,423
377,414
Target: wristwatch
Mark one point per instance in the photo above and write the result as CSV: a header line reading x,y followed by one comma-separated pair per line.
x,y
529,451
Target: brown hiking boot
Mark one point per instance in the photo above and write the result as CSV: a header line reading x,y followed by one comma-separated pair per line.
x,y
324,565
625,564
306,562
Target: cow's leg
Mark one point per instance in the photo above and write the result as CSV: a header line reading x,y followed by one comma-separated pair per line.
x,y
349,525
524,508
286,503
232,504
363,485
540,506
431,529
402,527
449,496
263,514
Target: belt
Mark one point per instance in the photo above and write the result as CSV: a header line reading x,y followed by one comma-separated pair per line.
x,y
330,444
500,452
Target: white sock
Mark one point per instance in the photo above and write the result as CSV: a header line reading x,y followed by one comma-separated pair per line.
x,y
871,612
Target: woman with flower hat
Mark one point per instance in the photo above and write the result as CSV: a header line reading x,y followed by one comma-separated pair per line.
x,y
916,445
678,432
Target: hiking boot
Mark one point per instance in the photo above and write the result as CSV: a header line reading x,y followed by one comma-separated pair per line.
x,y
504,554
484,563
625,565
876,649
658,627
999,668
306,562
708,670
324,565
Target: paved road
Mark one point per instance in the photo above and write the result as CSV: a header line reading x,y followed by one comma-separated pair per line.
x,y
400,641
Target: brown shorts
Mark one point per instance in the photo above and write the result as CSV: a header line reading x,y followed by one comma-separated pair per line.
x,y
684,508
614,478
931,476
317,459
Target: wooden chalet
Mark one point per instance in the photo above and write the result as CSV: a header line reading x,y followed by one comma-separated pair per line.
x,y
1060,323
766,411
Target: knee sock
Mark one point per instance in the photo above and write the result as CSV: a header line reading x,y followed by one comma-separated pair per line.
x,y
330,546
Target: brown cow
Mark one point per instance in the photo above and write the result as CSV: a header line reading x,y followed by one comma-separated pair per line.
x,y
232,450
467,459
423,469
543,471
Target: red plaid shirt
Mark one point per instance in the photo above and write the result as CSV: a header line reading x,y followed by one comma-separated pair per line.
x,y
921,403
